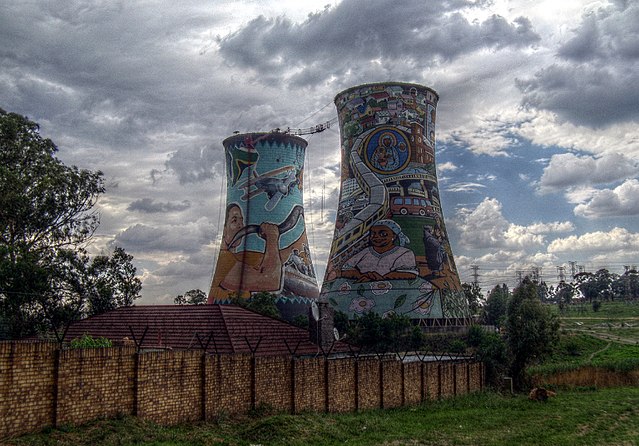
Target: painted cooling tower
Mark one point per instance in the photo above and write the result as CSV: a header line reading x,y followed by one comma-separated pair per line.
x,y
264,245
390,251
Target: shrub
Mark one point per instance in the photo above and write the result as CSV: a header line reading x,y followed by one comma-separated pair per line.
x,y
88,341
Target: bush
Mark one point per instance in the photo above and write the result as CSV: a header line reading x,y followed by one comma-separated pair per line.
x,y
87,341
490,348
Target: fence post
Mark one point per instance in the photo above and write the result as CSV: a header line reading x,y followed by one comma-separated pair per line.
x,y
56,385
421,380
136,371
403,386
253,381
203,384
293,393
381,382
454,378
356,381
326,389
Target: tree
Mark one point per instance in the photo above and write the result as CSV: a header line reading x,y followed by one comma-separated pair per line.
x,y
395,333
46,219
531,329
563,295
474,296
489,348
596,286
113,282
494,310
191,297
262,303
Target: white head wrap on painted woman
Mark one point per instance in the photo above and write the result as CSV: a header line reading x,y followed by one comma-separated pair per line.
x,y
397,230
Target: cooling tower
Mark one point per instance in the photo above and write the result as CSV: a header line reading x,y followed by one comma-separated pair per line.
x,y
264,245
390,251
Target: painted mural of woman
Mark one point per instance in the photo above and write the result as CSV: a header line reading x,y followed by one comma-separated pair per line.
x,y
385,258
247,270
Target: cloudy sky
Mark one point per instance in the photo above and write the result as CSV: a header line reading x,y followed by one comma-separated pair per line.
x,y
537,144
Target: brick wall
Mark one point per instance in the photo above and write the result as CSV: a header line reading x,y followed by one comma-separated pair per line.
x,y
26,386
369,389
41,386
170,386
84,395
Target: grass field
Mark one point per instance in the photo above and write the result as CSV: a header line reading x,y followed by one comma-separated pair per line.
x,y
608,338
618,321
578,417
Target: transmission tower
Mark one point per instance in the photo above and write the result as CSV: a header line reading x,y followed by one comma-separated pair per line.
x,y
561,270
573,268
475,269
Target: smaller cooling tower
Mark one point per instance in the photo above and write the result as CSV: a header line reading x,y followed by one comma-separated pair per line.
x,y
264,245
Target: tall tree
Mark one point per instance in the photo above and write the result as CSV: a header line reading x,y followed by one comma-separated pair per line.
x,y
113,282
563,294
494,311
531,329
46,218
474,296
191,297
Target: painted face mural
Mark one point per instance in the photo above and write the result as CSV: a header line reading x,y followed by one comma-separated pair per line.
x,y
390,251
264,245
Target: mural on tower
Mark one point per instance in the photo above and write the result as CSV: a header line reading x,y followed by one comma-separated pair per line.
x,y
390,250
264,245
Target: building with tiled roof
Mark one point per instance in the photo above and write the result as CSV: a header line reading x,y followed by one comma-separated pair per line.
x,y
218,329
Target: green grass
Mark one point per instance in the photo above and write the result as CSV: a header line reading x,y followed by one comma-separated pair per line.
x,y
590,417
608,338
608,309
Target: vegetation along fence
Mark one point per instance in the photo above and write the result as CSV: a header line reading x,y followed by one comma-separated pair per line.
x,y
41,385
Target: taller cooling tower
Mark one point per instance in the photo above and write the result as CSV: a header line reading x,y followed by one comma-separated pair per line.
x,y
264,245
390,251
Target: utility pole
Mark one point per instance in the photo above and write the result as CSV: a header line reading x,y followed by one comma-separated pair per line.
x,y
520,276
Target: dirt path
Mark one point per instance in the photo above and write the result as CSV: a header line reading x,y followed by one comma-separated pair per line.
x,y
605,336
592,355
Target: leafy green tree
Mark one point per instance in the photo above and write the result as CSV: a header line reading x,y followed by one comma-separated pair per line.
x,y
626,286
262,303
564,294
531,329
394,333
596,286
191,297
113,282
489,348
474,296
46,218
496,306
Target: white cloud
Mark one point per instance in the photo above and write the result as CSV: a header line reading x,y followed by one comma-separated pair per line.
x,y
447,166
609,244
620,201
485,227
568,170
598,61
465,187
188,237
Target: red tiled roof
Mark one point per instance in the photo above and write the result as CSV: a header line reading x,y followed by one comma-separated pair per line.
x,y
225,328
